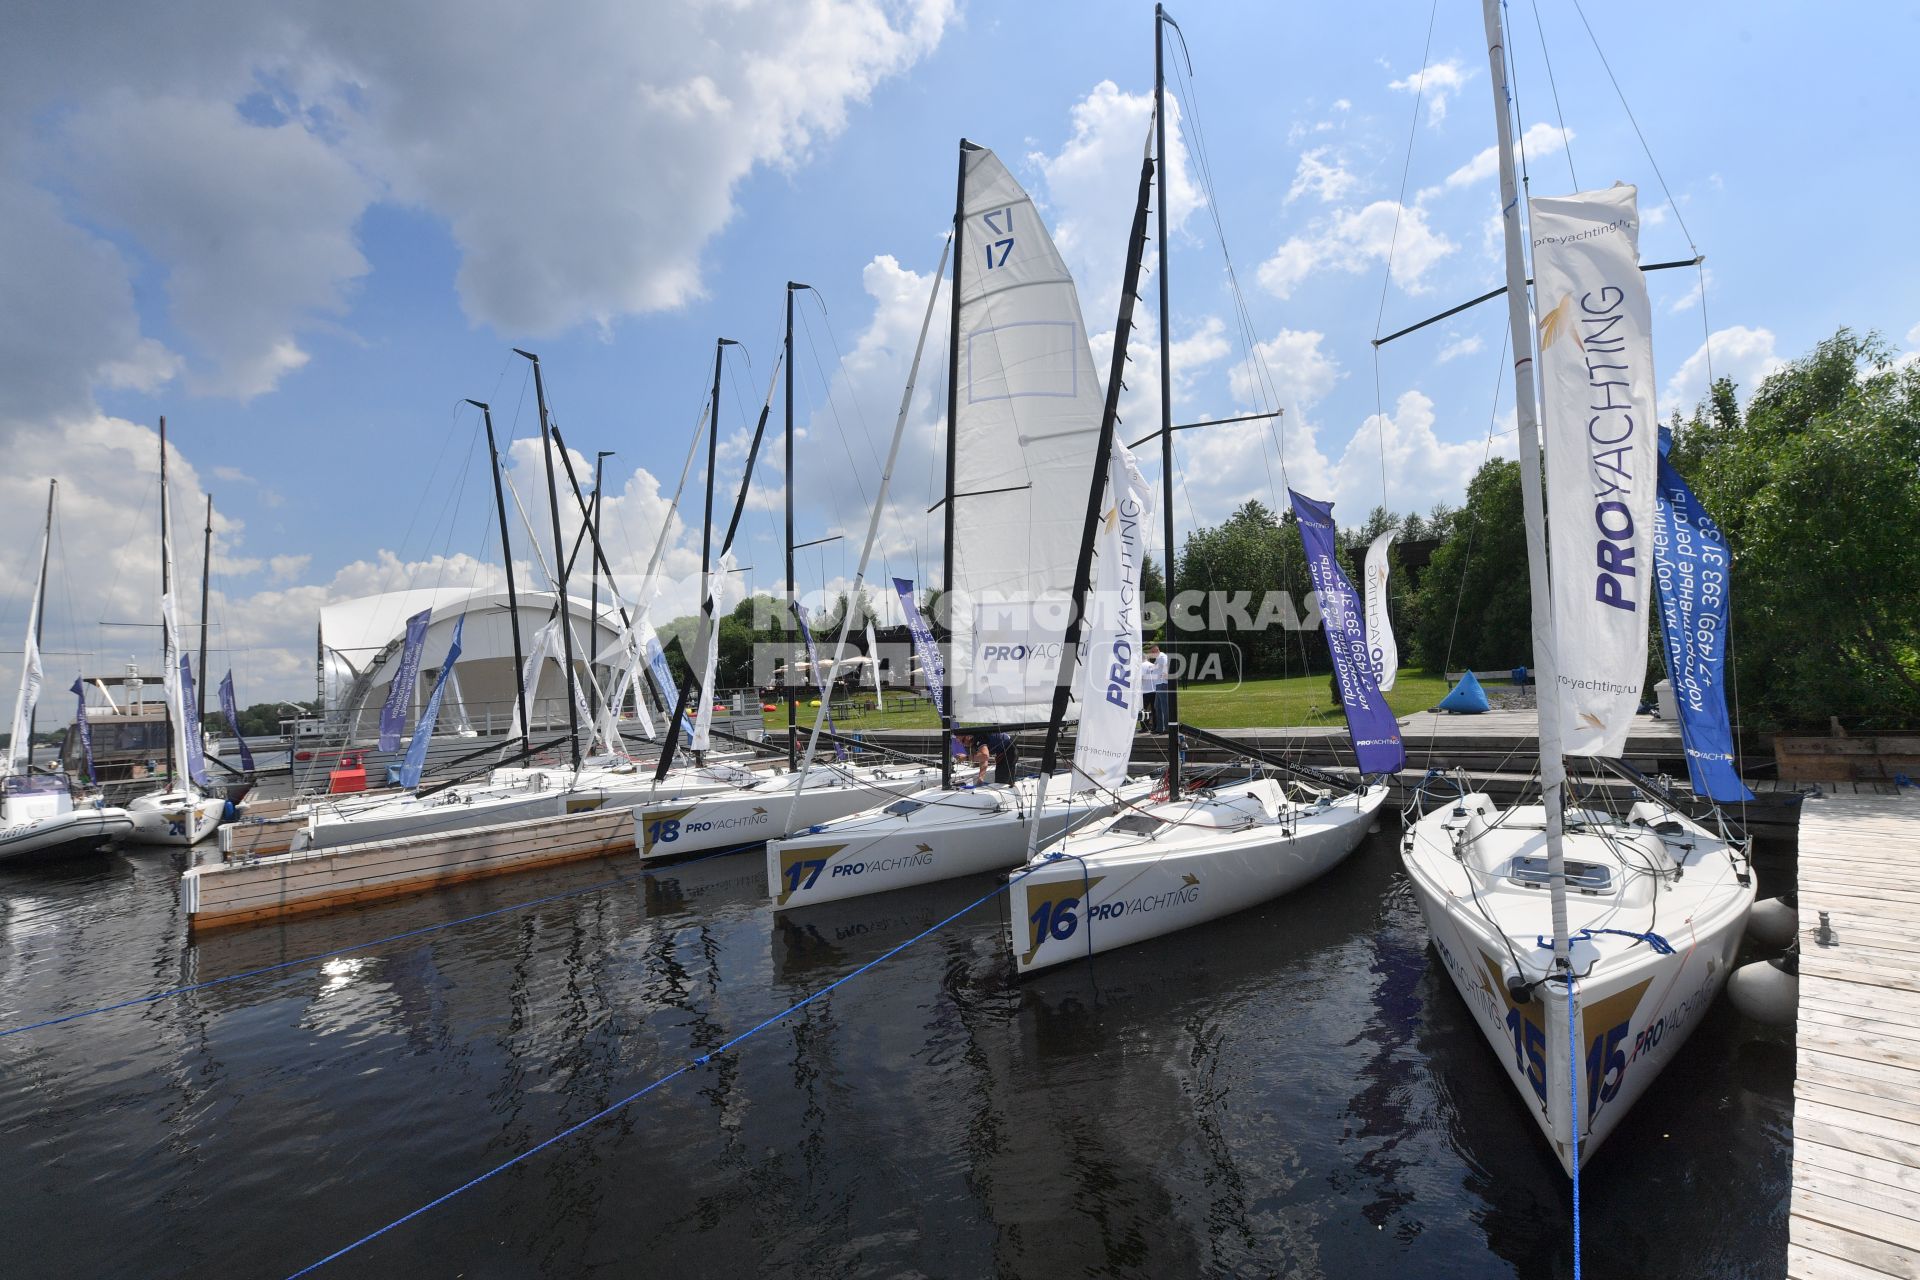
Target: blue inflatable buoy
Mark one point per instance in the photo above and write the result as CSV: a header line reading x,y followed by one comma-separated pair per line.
x,y
1467,698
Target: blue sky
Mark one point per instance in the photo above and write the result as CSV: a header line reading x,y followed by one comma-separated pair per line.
x,y
306,233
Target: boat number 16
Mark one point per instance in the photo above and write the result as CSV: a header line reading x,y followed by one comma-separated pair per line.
x,y
1055,920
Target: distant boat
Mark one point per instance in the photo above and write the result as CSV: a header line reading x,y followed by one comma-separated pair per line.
x,y
184,811
38,816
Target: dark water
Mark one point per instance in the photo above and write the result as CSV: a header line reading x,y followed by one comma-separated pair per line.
x,y
1294,1091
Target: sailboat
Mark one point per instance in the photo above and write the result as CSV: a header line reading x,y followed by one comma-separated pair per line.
x,y
185,811
685,823
1024,410
38,817
515,793
1208,852
1553,919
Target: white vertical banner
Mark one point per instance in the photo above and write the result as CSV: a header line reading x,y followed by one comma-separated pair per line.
x,y
1382,651
873,668
1600,427
1109,683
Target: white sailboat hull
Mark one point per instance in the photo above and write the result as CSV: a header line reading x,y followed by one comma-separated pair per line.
x,y
458,809
69,834
739,819
1109,889
174,818
1635,1007
945,835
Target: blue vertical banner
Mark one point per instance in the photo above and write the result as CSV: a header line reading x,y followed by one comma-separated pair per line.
x,y
233,721
393,713
190,712
416,761
1692,571
924,644
85,729
1370,722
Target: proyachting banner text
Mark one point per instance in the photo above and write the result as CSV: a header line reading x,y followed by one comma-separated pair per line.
x,y
1599,420
393,712
1110,676
932,669
1693,569
1376,735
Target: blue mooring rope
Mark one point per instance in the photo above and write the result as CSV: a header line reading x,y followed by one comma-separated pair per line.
x,y
675,1074
1660,945
1573,1116
156,996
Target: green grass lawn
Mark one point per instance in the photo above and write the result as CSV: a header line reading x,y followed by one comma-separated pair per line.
x,y
1256,704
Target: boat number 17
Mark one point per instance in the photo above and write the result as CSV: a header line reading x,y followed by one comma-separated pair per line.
x,y
1000,224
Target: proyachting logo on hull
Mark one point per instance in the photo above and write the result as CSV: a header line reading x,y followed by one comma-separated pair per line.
x,y
1053,911
1186,893
801,867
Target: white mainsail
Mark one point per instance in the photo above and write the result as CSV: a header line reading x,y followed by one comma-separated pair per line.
x,y
1382,650
1026,425
1597,403
1110,675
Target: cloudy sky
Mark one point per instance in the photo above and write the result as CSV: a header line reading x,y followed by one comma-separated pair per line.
x,y
306,232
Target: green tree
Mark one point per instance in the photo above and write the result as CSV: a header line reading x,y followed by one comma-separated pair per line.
x,y
1471,610
1817,487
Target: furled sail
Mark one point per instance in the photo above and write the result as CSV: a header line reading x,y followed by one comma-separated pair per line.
x,y
1599,424
19,758
1026,424
1110,675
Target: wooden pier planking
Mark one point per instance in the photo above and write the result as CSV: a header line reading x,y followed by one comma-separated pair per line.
x,y
1855,1213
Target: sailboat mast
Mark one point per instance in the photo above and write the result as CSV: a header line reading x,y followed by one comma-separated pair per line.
x,y
706,550
1552,766
792,689
953,451
559,556
1172,685
168,674
1096,493
40,612
506,555
206,583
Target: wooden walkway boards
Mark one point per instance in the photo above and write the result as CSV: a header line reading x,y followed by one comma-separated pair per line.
x,y
1856,1113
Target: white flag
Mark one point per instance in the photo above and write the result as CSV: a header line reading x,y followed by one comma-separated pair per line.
x,y
1110,675
1599,426
1381,649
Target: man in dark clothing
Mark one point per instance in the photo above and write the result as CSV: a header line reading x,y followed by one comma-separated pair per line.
x,y
995,749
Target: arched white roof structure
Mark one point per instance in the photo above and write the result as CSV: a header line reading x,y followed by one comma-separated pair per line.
x,y
360,641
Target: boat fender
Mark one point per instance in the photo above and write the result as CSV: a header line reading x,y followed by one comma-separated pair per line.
x,y
1767,990
1773,922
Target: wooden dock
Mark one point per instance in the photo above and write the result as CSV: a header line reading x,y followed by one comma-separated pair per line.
x,y
1856,1115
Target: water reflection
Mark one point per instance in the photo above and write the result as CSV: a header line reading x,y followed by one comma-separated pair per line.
x,y
1296,1090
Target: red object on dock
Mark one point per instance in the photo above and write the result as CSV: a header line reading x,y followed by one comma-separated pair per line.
x,y
349,775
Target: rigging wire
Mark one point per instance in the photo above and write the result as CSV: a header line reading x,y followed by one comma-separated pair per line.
x,y
1566,139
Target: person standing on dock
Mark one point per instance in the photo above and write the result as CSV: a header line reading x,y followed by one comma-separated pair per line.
x,y
1153,687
